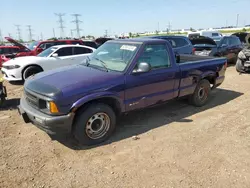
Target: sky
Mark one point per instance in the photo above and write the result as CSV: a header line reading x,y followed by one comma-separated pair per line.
x,y
118,16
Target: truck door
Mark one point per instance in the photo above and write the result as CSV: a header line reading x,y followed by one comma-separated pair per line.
x,y
155,86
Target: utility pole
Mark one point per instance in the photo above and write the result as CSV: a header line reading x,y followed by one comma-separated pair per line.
x,y
18,31
158,26
61,26
106,33
77,21
71,33
30,32
54,34
237,20
41,36
1,37
169,26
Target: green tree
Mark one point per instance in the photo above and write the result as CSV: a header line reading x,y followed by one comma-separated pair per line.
x,y
156,32
130,35
244,30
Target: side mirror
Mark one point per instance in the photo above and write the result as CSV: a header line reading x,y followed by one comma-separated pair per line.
x,y
39,50
142,67
55,55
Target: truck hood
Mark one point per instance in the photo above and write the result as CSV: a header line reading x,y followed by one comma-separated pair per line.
x,y
25,59
16,43
72,80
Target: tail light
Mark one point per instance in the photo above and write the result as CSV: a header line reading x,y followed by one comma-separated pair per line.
x,y
225,65
193,51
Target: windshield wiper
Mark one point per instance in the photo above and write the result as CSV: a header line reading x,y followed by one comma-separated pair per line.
x,y
102,63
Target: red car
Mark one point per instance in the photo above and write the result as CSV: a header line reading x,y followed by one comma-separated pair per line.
x,y
6,52
37,47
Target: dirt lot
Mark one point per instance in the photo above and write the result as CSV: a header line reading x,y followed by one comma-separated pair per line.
x,y
178,146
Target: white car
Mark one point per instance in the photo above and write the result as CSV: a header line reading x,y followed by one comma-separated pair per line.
x,y
21,68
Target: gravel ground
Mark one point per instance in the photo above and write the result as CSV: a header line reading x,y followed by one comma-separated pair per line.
x,y
177,145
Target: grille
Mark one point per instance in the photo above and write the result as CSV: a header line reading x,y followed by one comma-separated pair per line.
x,y
31,99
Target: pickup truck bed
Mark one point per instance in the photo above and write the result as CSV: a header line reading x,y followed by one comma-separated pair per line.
x,y
119,77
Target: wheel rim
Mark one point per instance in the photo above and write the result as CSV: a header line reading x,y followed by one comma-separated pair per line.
x,y
97,126
202,93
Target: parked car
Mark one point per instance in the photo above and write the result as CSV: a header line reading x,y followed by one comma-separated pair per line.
x,y
21,68
101,40
243,61
6,52
227,46
204,34
90,43
244,38
119,77
37,47
180,44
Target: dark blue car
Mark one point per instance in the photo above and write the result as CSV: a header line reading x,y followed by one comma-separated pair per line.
x,y
180,44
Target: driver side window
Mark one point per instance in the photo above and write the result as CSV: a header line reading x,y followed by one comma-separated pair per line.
x,y
156,55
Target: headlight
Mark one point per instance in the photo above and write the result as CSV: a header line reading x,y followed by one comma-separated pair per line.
x,y
11,66
48,105
51,106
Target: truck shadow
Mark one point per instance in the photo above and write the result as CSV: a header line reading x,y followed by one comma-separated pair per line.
x,y
139,122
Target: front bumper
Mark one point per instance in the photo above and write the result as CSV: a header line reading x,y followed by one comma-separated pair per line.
x,y
12,75
50,124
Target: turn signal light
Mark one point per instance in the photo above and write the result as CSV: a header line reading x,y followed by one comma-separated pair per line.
x,y
53,107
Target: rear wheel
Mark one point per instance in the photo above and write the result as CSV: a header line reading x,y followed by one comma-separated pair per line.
x,y
94,124
201,93
31,70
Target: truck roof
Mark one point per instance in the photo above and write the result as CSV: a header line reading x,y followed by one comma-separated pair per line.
x,y
138,40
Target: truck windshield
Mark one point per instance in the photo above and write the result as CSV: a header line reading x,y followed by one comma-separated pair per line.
x,y
113,56
33,45
47,52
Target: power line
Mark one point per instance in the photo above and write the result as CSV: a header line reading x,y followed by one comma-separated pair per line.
x,y
61,26
18,31
30,32
77,21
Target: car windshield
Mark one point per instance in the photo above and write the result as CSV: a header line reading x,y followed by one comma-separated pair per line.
x,y
33,45
113,56
47,52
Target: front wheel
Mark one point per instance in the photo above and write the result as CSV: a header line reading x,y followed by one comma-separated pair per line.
x,y
94,124
29,71
201,93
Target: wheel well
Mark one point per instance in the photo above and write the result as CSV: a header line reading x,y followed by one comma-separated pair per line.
x,y
113,103
33,65
211,79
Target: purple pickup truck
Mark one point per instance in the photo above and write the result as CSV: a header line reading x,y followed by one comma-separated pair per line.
x,y
119,77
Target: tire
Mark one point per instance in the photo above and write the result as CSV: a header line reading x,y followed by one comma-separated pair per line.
x,y
31,70
201,93
88,123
